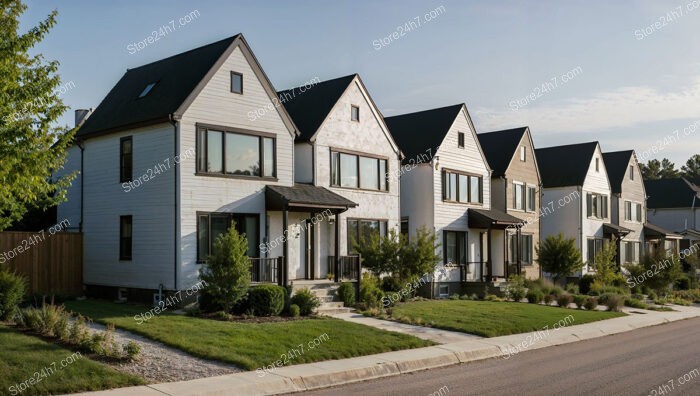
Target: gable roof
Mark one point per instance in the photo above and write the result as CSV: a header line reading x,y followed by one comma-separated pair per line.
x,y
310,107
178,80
616,165
671,193
421,133
500,146
567,165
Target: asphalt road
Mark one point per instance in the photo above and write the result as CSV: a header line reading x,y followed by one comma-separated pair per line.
x,y
640,362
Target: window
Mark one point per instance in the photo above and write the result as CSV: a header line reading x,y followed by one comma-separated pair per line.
x,y
519,196
355,113
360,230
125,237
595,246
126,159
147,90
356,171
597,205
597,164
638,212
443,290
458,187
455,247
531,199
522,153
526,247
631,172
460,139
233,153
633,211
211,225
404,226
236,82
631,252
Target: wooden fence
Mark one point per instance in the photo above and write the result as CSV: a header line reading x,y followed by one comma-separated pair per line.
x,y
52,263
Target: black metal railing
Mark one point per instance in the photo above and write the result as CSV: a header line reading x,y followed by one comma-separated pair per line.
x,y
348,267
471,271
265,269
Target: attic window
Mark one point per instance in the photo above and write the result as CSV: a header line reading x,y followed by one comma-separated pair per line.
x,y
236,82
522,153
631,172
460,139
355,113
597,165
146,90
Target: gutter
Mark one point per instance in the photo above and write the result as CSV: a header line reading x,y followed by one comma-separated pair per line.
x,y
176,215
81,145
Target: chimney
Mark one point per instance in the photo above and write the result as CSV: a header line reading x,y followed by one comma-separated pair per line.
x,y
81,115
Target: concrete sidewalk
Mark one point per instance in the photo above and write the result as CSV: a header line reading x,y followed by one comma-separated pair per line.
x,y
338,372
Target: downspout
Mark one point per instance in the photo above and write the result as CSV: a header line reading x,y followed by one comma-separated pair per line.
x,y
82,181
539,225
176,214
582,199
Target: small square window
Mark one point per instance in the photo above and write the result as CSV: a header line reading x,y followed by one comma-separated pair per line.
x,y
522,153
460,139
355,113
236,82
147,90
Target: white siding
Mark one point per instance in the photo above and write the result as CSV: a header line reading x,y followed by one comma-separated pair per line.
x,y
596,182
217,105
70,209
633,191
151,204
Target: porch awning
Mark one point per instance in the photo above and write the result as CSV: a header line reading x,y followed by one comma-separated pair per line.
x,y
491,218
305,198
652,231
614,229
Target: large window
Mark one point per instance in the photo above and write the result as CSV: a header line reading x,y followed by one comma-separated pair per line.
x,y
519,196
211,225
597,205
356,171
633,211
526,248
232,153
595,246
454,247
458,187
125,237
126,159
360,230
631,251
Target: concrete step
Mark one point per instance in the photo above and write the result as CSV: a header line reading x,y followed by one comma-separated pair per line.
x,y
332,304
326,299
333,311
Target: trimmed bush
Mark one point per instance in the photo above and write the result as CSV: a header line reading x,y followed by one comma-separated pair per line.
x,y
370,293
207,303
556,291
579,300
564,300
346,292
306,301
294,310
635,303
534,296
584,284
391,283
591,303
614,302
548,298
12,289
266,300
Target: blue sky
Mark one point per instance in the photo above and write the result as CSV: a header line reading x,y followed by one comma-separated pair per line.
x,y
631,84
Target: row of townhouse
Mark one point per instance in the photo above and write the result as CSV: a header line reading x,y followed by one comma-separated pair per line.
x,y
181,147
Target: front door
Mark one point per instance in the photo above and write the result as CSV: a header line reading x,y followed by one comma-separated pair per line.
x,y
310,251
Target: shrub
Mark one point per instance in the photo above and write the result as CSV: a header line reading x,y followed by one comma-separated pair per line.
x,y
591,303
556,291
266,300
614,302
579,300
559,256
682,283
515,289
652,295
294,310
370,293
584,284
131,350
391,283
572,288
306,301
78,333
454,296
564,300
12,289
346,292
548,298
534,296
491,297
207,303
635,303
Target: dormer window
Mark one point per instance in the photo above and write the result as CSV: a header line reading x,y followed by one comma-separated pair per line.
x,y
147,90
355,113
236,82
460,139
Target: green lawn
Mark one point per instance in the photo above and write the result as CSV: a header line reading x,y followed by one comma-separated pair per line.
x,y
23,357
492,319
251,345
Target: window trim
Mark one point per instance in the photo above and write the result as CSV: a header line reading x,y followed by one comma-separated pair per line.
x,y
528,200
604,208
122,238
459,234
234,73
230,216
352,111
461,138
523,186
122,176
379,158
199,127
445,171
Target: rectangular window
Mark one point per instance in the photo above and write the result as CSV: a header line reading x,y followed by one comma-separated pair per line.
x,y
369,173
638,212
522,153
383,175
360,230
459,187
460,139
126,159
475,189
519,196
452,181
628,211
404,227
526,247
355,113
631,172
597,205
236,154
211,225
463,191
348,170
595,245
236,82
597,164
356,171
455,247
531,199
125,237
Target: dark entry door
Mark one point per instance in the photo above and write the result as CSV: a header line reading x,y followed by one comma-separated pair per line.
x,y
310,251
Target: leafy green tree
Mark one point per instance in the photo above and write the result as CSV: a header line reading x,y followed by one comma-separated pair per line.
x,y
419,256
657,272
559,256
381,255
691,169
605,266
654,169
226,275
31,146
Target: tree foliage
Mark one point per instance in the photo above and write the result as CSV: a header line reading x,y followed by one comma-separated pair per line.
x,y
691,169
559,256
605,266
655,169
31,146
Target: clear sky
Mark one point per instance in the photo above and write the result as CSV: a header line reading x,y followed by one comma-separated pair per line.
x,y
626,73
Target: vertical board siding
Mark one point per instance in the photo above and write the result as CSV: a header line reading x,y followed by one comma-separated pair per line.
x,y
53,264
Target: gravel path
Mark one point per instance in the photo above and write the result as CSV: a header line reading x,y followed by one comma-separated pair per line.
x,y
160,363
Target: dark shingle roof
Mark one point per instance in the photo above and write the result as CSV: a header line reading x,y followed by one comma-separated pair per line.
x,y
671,193
175,77
500,146
310,107
616,165
654,231
299,195
419,134
485,218
565,165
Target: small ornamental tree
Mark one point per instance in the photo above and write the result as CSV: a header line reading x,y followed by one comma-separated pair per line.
x,y
419,256
559,256
227,273
605,265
